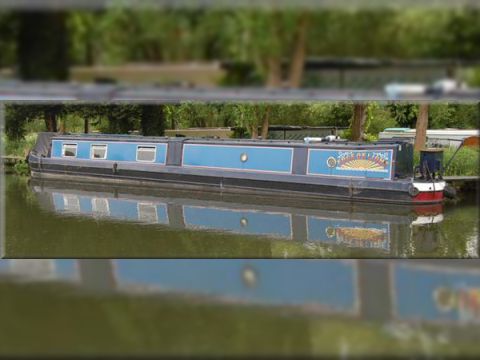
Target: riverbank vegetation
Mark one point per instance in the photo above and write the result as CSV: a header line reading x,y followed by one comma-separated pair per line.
x,y
154,119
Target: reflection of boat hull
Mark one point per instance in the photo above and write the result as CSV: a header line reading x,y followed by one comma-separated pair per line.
x,y
377,173
243,215
450,294
393,291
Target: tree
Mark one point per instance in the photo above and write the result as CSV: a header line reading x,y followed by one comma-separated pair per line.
x,y
268,39
8,43
358,122
404,114
122,118
88,112
152,120
42,46
297,63
254,115
461,35
421,127
17,116
85,30
330,114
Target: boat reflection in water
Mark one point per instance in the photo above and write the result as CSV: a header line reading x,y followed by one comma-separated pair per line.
x,y
364,226
390,291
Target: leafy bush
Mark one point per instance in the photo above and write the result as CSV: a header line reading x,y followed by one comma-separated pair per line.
x,y
379,118
21,168
19,147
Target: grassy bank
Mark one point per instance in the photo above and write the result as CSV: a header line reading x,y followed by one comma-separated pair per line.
x,y
465,163
19,148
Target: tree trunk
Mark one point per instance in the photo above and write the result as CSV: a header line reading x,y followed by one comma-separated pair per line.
x,y
274,54
265,124
358,123
254,131
152,120
63,126
274,77
421,127
50,121
298,59
86,126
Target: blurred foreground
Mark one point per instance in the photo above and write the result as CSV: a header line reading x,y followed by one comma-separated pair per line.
x,y
239,307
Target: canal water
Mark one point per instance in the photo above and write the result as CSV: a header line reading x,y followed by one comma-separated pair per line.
x,y
240,307
46,219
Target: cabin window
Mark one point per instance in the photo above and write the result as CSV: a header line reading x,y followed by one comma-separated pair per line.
x,y
71,203
69,150
98,152
147,213
146,153
100,206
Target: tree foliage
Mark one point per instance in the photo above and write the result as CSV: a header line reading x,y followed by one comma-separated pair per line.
x,y
153,119
42,49
262,39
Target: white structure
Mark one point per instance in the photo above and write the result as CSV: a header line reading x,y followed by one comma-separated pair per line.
x,y
443,137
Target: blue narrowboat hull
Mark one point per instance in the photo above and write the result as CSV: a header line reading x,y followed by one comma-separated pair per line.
x,y
378,172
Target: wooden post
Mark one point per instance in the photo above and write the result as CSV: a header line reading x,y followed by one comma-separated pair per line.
x,y
421,127
358,122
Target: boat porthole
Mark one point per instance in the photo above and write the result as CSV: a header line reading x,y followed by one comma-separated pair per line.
x,y
331,162
243,222
243,157
330,232
249,276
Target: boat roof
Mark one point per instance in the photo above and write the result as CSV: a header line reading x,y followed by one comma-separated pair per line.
x,y
125,137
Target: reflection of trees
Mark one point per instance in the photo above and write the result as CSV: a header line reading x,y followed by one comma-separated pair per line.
x,y
459,226
447,238
425,240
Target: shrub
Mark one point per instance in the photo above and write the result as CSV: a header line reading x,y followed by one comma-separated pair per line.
x,y
21,168
19,147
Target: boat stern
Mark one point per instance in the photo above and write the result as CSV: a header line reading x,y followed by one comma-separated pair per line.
x,y
427,191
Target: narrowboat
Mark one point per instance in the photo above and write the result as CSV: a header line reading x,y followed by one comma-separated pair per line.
x,y
376,172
